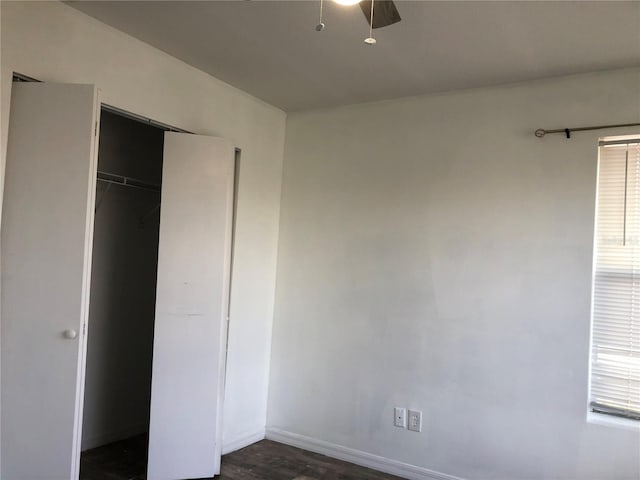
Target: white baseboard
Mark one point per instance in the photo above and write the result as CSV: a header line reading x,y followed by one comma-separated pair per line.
x,y
358,457
100,439
242,441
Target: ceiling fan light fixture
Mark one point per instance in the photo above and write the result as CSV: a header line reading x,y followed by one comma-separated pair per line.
x,y
346,3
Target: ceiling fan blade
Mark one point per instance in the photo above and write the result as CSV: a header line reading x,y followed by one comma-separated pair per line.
x,y
384,12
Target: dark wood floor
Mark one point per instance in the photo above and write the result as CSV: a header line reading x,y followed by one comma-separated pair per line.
x,y
124,460
265,460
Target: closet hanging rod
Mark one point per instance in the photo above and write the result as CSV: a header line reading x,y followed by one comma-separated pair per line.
x,y
127,181
541,132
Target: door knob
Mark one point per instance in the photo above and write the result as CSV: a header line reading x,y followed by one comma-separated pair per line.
x,y
70,334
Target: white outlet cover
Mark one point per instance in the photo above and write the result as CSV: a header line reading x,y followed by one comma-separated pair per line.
x,y
415,420
400,417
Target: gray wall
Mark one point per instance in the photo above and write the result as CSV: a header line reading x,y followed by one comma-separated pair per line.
x,y
435,255
123,285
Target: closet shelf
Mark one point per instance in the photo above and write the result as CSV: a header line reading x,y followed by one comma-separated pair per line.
x,y
127,181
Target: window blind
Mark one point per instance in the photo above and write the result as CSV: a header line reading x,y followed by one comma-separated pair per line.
x,y
615,343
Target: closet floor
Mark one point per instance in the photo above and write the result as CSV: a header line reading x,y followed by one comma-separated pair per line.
x,y
265,460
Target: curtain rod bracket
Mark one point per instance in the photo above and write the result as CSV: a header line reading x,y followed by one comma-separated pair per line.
x,y
567,132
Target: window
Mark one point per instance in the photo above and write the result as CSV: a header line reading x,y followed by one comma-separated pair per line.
x,y
615,341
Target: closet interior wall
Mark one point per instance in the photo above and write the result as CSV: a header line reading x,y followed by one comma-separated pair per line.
x,y
123,284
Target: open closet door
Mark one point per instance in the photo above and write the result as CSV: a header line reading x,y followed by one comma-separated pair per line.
x,y
47,231
191,307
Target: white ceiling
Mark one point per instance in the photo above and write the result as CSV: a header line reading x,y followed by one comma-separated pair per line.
x,y
271,50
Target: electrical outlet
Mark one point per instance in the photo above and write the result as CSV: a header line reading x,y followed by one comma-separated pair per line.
x,y
415,420
400,417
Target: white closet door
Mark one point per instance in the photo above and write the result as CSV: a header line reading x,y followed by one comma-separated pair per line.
x,y
191,307
47,227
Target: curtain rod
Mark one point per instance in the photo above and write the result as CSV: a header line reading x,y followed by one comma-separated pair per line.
x,y
541,132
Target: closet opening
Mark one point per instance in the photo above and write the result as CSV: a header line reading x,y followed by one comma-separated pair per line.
x,y
117,388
